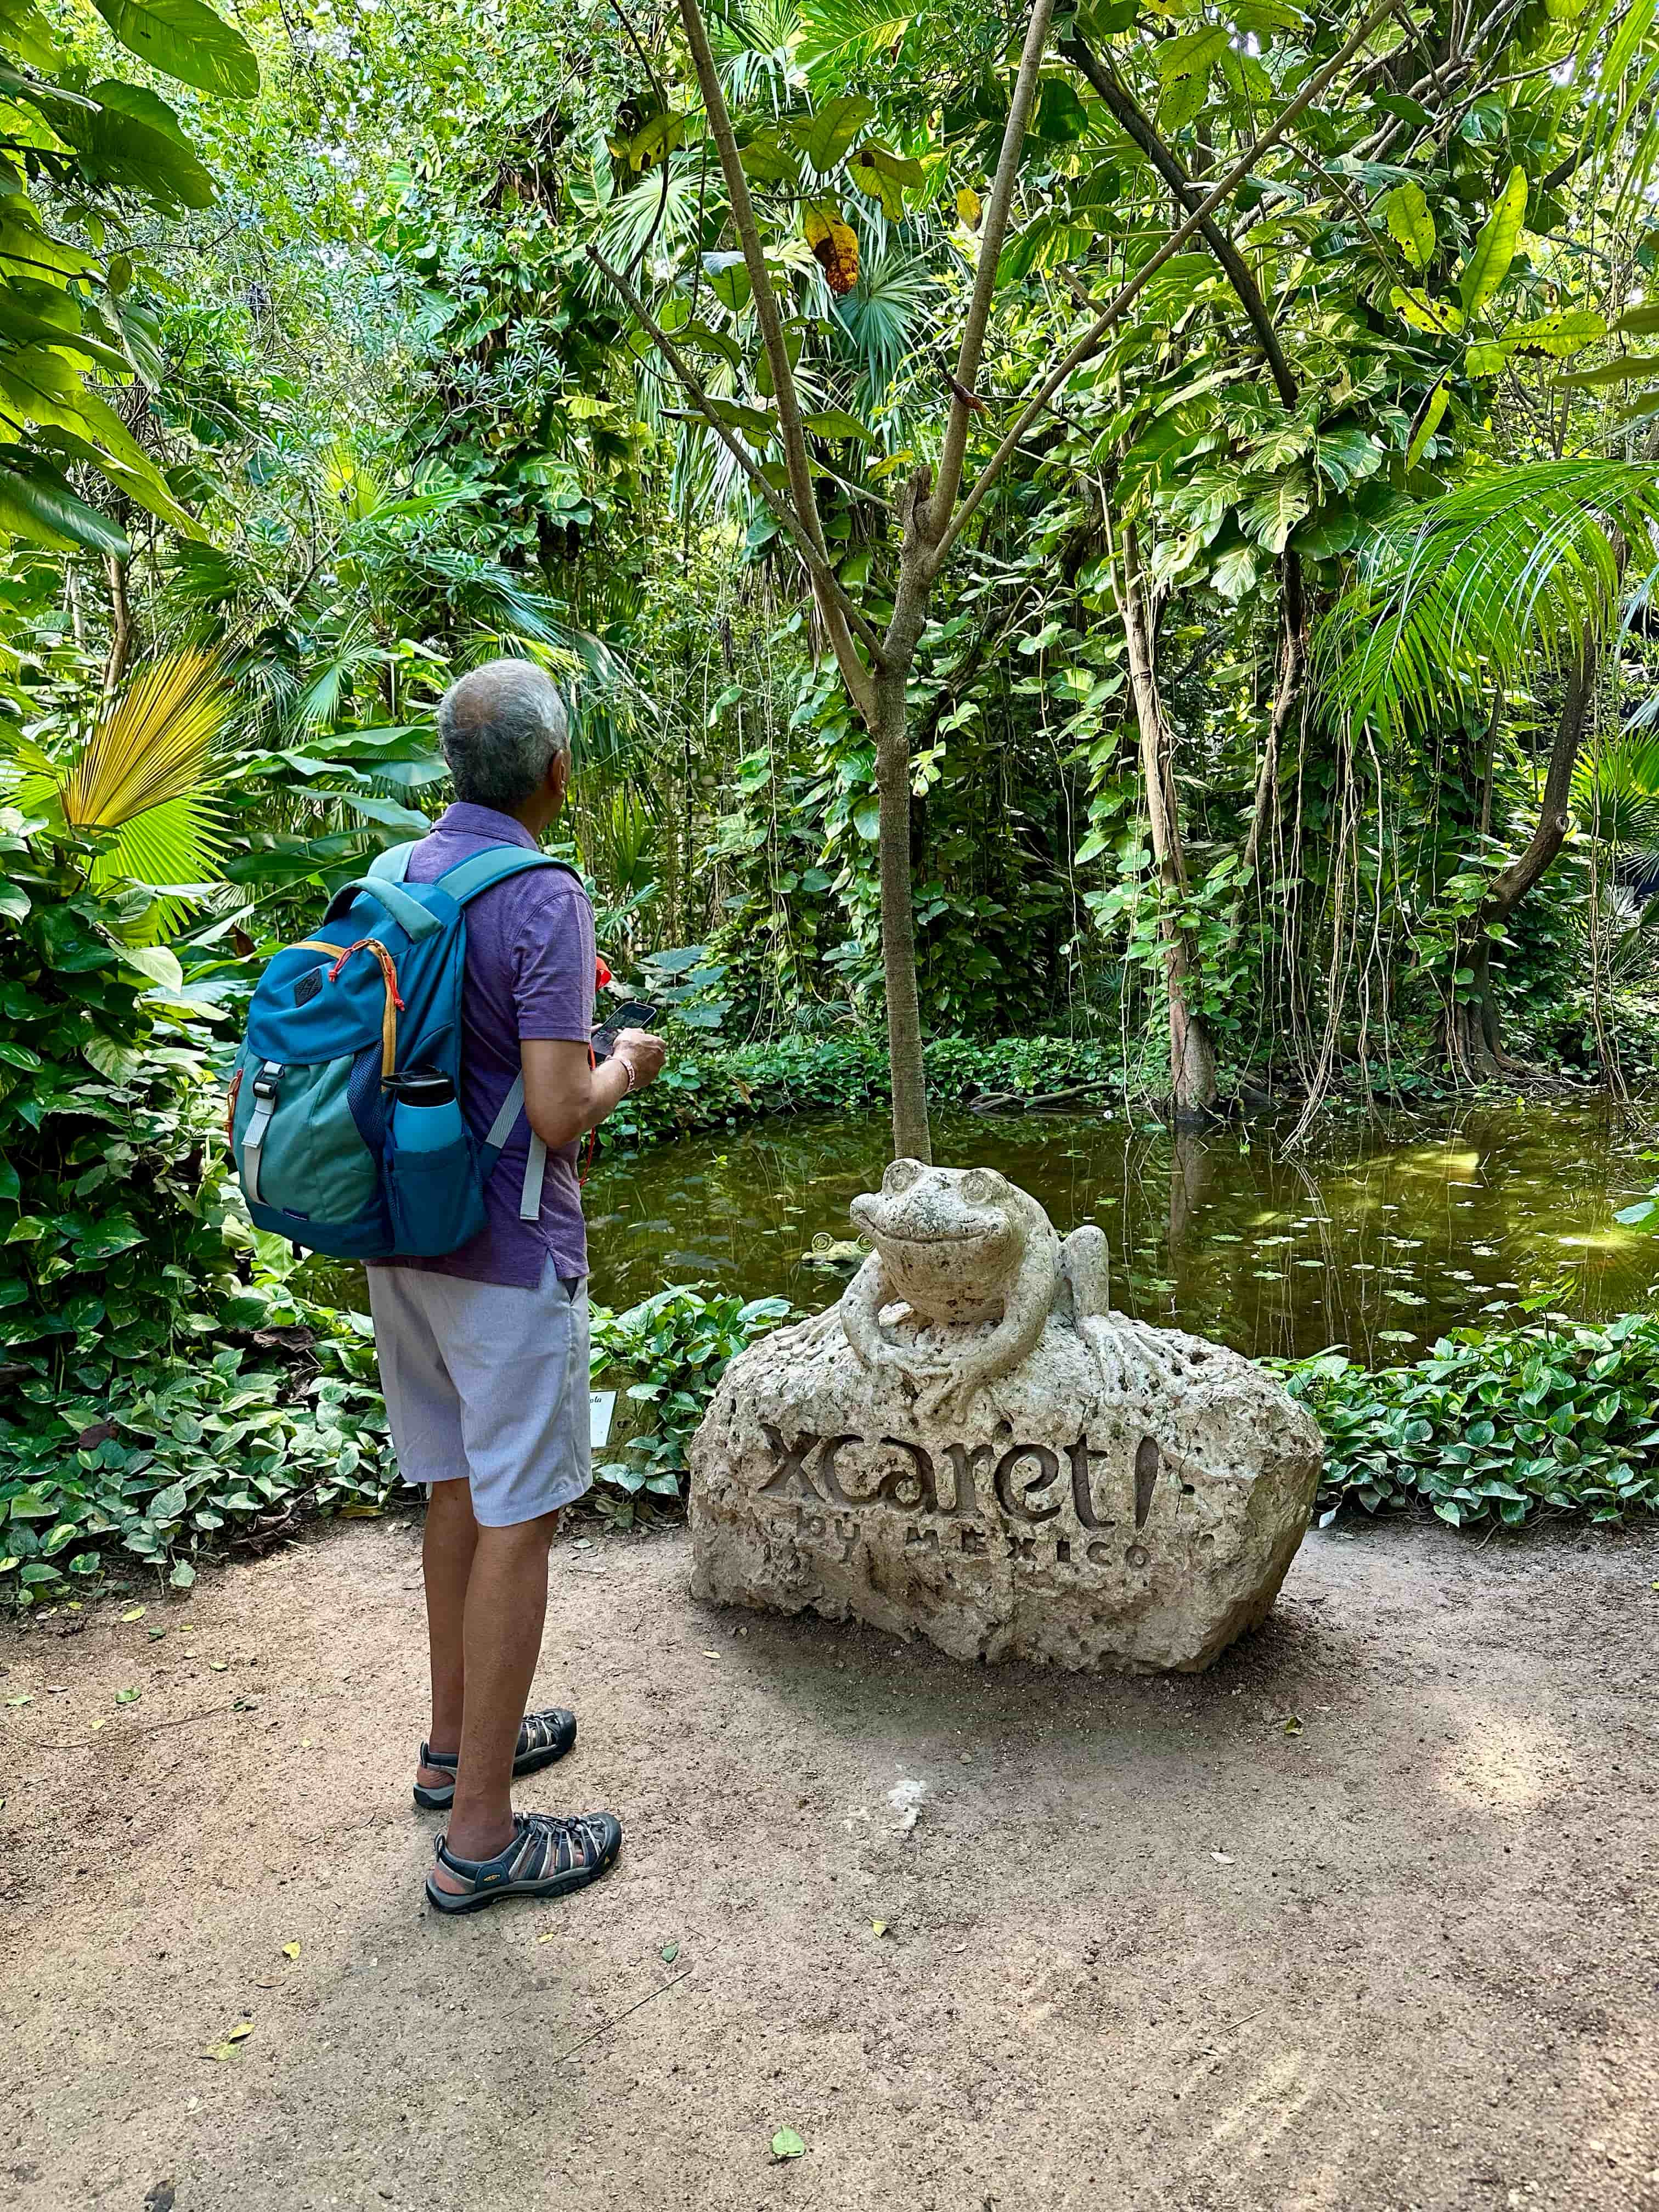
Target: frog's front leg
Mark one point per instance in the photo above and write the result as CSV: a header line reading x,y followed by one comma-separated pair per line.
x,y
858,1309
1024,1311
1128,1354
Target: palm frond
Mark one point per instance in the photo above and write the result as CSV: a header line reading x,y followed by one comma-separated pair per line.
x,y
1520,568
155,745
1615,791
141,788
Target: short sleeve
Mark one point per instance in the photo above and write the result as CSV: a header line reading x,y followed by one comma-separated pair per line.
x,y
552,951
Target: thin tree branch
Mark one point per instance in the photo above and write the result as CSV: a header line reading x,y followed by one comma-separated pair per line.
x,y
1089,344
795,456
1112,89
824,580
994,230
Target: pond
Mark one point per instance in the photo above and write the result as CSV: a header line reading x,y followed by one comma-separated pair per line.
x,y
1377,1238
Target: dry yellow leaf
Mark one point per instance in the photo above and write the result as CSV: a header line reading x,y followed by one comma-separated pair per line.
x,y
133,1612
835,248
240,2032
290,1950
968,207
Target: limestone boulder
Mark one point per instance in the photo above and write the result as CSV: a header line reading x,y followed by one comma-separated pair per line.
x,y
1065,1485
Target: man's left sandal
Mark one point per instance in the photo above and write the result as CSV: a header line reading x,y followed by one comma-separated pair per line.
x,y
543,1738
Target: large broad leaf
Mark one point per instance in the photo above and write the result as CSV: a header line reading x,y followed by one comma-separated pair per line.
x,y
728,279
1631,368
183,38
37,504
826,136
386,811
1410,223
133,140
1488,265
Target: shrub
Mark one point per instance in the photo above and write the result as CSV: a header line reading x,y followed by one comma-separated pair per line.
x,y
676,1345
1495,1425
799,1074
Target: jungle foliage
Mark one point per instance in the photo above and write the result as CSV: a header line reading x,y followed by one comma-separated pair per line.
x,y
1280,708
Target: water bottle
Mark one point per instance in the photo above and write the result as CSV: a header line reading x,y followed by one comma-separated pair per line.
x,y
426,1114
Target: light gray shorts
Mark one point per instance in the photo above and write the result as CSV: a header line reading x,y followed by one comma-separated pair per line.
x,y
489,1382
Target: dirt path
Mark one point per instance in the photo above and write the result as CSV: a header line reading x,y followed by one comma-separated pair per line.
x,y
1143,1947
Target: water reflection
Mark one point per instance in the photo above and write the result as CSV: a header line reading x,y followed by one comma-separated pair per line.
x,y
1383,1236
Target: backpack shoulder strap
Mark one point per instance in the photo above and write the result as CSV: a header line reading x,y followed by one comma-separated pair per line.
x,y
393,866
494,866
463,882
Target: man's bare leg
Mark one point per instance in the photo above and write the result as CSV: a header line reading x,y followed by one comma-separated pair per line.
x,y
506,1607
452,1536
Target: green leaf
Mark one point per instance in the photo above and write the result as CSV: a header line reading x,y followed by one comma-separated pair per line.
x,y
156,963
836,423
1629,368
786,2143
1428,421
728,279
826,136
14,899
36,503
866,819
1488,263
1410,223
1440,317
186,41
19,1055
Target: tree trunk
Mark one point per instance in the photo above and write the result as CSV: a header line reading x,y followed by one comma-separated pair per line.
x,y
1191,1053
912,1139
1473,1031
121,634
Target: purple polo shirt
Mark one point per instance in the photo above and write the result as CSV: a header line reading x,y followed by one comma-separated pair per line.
x,y
529,974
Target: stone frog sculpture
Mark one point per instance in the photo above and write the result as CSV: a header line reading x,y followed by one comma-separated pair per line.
x,y
962,1248
969,1445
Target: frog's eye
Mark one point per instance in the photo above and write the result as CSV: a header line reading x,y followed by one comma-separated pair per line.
x,y
900,1176
979,1185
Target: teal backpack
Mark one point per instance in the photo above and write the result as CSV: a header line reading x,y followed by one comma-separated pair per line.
x,y
344,1118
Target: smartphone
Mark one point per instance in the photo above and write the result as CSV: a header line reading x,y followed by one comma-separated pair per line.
x,y
632,1014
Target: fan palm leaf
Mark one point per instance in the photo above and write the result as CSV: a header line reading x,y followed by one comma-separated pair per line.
x,y
141,786
1522,566
1615,792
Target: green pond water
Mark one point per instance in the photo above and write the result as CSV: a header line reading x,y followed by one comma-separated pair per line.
x,y
1377,1238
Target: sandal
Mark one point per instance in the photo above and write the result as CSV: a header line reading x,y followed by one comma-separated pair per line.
x,y
547,1857
543,1738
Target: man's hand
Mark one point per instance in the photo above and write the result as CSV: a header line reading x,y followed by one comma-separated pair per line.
x,y
564,1096
642,1053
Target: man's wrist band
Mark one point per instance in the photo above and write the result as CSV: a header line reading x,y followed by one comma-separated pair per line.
x,y
629,1066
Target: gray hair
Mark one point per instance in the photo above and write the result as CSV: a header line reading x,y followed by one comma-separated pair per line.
x,y
502,726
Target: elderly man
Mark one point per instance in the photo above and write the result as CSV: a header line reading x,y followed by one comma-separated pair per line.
x,y
484,1353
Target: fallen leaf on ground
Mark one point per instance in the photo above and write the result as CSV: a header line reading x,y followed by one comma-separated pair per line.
x,y
548,1938
221,2051
133,1612
878,1927
156,1634
240,2032
786,2143
1293,1724
1221,1858
27,1698
128,1696
218,1665
102,1720
669,1953
290,1950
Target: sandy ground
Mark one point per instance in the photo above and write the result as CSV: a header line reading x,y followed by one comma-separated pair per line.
x,y
1148,1944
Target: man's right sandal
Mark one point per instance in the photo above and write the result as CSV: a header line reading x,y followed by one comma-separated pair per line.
x,y
547,1857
